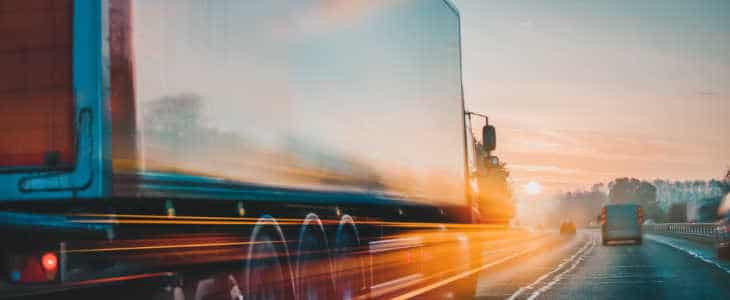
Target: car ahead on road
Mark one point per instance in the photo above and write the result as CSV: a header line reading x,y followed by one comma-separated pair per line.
x,y
621,222
567,227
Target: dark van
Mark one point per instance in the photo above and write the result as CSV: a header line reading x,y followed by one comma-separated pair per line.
x,y
621,222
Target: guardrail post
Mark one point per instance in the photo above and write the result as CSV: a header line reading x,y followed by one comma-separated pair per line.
x,y
703,230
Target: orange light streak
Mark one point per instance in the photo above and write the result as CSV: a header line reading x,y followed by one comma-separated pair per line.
x,y
200,245
202,220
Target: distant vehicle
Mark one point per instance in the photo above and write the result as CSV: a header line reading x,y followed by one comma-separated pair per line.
x,y
567,227
621,222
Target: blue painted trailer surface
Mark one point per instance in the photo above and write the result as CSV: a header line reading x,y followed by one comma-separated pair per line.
x,y
287,101
293,101
91,174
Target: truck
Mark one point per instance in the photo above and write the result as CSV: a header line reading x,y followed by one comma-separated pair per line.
x,y
621,222
215,149
496,204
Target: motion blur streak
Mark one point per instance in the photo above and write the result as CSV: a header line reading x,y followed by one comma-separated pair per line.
x,y
120,278
558,268
464,274
196,220
420,263
159,247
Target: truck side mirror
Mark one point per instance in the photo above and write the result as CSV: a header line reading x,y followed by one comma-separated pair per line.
x,y
489,138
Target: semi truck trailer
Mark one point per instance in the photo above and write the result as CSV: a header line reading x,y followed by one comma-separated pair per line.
x,y
228,149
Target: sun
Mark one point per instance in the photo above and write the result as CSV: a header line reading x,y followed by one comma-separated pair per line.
x,y
533,188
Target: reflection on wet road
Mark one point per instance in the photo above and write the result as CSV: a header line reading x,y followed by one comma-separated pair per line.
x,y
580,268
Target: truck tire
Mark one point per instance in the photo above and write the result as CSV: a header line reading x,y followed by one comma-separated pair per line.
x,y
267,274
350,279
313,266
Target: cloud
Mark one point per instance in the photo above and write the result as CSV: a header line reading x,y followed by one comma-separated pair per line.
x,y
541,168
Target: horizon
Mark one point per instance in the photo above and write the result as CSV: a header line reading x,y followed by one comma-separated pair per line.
x,y
583,93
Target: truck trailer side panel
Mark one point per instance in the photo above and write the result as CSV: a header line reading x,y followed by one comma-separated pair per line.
x,y
333,131
298,96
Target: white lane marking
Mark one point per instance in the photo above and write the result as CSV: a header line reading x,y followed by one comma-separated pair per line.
x,y
560,276
532,285
690,252
463,275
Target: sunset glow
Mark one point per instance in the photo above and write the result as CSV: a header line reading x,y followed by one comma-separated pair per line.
x,y
533,188
588,95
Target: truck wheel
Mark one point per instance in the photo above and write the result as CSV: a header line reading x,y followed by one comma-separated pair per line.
x,y
313,268
349,266
267,274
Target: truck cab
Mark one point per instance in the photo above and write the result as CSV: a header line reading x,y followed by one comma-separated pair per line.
x,y
492,194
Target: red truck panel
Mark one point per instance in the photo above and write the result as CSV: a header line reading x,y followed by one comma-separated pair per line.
x,y
36,99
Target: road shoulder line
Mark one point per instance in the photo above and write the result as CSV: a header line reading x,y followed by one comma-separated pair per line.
x,y
686,250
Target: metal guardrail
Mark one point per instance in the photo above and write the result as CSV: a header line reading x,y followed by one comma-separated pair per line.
x,y
704,231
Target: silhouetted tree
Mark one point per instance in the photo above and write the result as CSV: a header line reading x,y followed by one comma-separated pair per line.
x,y
496,199
580,206
496,203
677,213
665,200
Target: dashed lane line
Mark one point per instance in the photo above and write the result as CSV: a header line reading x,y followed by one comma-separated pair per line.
x,y
574,259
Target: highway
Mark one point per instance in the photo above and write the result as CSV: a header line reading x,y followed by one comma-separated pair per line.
x,y
528,264
579,267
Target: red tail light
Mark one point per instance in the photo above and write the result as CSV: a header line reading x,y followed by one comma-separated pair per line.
x,y
640,215
49,261
33,268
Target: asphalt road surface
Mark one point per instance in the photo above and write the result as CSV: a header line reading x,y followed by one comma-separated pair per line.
x,y
546,265
579,267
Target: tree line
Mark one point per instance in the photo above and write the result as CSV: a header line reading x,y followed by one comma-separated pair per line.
x,y
662,200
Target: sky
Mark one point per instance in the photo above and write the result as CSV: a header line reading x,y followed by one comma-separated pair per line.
x,y
583,92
